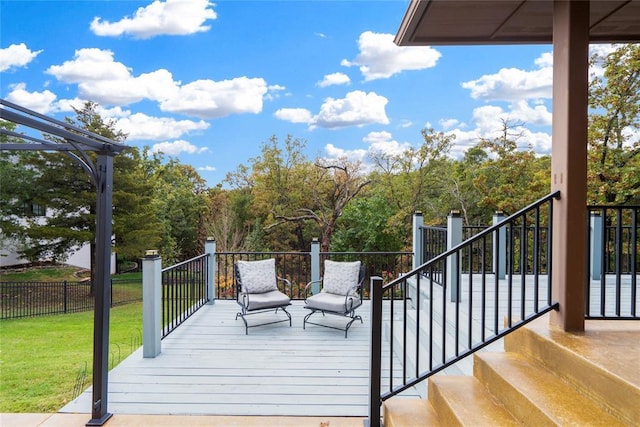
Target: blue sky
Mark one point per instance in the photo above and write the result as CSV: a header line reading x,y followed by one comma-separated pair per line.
x,y
208,82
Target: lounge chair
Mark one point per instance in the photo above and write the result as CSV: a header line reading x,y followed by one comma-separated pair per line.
x,y
257,290
341,293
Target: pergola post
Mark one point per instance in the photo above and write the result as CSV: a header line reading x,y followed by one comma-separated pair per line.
x,y
569,160
102,288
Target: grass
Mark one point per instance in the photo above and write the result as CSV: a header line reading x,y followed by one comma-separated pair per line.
x,y
47,274
40,357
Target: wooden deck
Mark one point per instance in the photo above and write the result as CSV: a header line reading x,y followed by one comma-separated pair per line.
x,y
208,366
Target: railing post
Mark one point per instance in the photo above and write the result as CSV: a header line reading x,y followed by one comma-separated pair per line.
x,y
151,304
454,238
596,245
315,265
418,222
375,344
499,247
210,249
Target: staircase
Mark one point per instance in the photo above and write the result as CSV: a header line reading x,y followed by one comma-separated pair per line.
x,y
545,377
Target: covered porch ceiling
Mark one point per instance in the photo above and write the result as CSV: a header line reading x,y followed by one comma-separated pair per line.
x,y
467,22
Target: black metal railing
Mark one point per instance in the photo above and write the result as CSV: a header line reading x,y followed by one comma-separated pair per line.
x,y
613,288
433,327
29,299
184,291
296,267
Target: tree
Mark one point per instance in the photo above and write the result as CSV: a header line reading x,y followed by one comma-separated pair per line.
x,y
512,177
364,227
16,191
179,204
413,180
614,124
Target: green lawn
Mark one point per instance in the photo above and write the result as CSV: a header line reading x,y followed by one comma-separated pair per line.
x,y
45,274
40,357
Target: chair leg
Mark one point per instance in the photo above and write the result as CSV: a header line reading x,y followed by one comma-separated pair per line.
x,y
353,319
246,325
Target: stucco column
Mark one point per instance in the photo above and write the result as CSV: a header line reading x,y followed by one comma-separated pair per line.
x,y
569,160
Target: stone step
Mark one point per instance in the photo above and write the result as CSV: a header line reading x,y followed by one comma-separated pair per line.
x,y
403,412
601,362
464,401
535,395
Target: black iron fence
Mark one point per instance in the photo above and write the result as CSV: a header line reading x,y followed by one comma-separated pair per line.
x,y
184,291
28,299
614,286
296,267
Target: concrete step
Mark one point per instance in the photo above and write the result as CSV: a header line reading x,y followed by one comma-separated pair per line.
x,y
464,401
535,395
602,363
402,412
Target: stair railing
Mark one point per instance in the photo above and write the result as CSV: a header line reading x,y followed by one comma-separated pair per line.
x,y
428,327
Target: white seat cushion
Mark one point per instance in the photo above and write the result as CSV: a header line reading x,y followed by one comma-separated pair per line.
x,y
340,278
270,299
258,276
326,301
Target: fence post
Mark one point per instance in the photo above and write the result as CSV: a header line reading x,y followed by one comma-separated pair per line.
x,y
418,222
65,296
454,238
210,249
315,265
499,247
151,304
375,344
596,245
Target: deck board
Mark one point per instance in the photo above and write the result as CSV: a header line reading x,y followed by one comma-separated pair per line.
x,y
208,366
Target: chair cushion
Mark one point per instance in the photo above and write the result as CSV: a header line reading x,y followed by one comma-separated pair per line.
x,y
258,276
331,302
270,299
340,277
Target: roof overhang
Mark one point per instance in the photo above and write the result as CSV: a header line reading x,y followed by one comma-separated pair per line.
x,y
469,22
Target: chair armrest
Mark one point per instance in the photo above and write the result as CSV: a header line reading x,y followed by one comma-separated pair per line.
x,y
287,283
307,286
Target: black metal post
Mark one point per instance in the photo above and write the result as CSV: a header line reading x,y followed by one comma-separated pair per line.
x,y
102,288
375,366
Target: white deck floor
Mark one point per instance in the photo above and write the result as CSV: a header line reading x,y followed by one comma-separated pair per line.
x,y
208,366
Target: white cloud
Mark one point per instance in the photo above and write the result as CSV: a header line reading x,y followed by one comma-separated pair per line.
x,y
171,17
207,169
176,147
208,99
513,84
448,123
108,82
405,123
377,142
334,153
90,64
380,58
16,55
273,92
334,79
488,123
357,108
139,126
383,142
42,102
294,115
